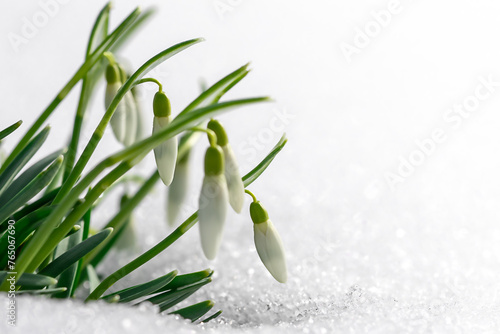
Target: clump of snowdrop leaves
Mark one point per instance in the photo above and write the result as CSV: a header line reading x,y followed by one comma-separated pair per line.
x,y
49,204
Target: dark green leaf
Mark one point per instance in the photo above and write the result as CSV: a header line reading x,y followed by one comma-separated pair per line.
x,y
260,168
74,254
23,228
41,291
22,159
212,317
31,190
30,280
27,176
217,90
143,290
171,298
181,281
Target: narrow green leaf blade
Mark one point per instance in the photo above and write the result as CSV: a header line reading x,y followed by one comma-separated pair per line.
x,y
181,281
262,166
30,280
212,317
143,290
31,190
217,90
23,228
7,131
22,159
196,311
74,254
171,298
27,176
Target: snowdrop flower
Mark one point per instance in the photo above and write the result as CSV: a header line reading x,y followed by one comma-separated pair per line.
x,y
124,119
178,189
127,240
231,171
268,242
166,152
213,202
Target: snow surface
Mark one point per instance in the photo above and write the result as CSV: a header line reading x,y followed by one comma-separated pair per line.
x,y
423,257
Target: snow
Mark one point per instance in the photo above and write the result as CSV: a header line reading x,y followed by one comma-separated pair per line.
x,y
421,255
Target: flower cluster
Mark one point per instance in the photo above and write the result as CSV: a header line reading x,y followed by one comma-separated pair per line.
x,y
222,184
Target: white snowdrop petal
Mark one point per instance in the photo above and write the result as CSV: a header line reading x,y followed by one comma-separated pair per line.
x,y
166,152
117,121
234,183
130,119
270,249
212,213
177,192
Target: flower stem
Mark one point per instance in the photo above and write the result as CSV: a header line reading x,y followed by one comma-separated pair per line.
x,y
251,194
160,87
212,137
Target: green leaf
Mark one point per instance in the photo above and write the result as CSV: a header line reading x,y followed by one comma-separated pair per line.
x,y
260,168
217,90
181,281
99,30
171,298
22,159
196,311
41,291
27,176
80,268
80,73
67,277
7,131
31,190
29,280
46,199
74,254
23,228
143,290
212,317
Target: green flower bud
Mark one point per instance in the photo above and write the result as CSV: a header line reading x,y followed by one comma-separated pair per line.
x,y
258,213
161,105
214,161
112,74
216,127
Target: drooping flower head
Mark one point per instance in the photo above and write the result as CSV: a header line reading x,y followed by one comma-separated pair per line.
x,y
166,152
231,170
268,242
213,202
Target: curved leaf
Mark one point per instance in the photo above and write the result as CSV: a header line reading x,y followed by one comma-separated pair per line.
x,y
74,254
